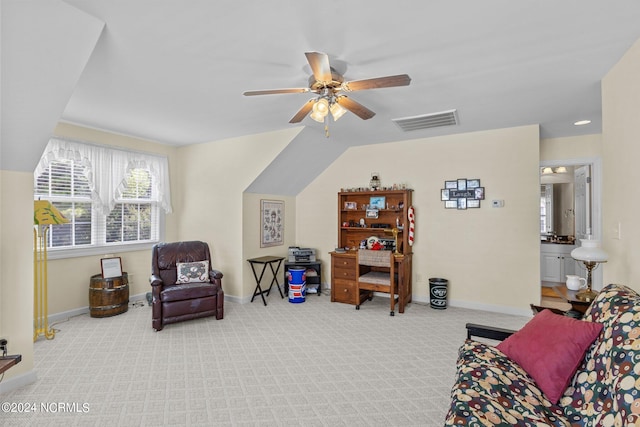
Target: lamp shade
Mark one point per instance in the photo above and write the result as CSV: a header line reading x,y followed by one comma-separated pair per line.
x,y
44,213
336,111
590,251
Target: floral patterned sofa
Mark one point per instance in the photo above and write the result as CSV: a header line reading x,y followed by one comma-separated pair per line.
x,y
491,389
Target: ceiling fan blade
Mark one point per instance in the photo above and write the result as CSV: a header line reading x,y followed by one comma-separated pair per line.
x,y
320,66
276,91
302,113
356,108
377,83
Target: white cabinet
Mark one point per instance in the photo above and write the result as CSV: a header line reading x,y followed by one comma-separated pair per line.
x,y
556,262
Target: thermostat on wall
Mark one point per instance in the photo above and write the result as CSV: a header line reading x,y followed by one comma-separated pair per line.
x,y
497,203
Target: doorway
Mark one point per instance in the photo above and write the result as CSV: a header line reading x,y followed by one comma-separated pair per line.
x,y
587,220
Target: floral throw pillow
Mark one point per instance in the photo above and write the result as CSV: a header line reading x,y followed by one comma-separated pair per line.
x,y
189,272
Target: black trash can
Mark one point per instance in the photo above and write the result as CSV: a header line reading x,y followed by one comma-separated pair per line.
x,y
438,292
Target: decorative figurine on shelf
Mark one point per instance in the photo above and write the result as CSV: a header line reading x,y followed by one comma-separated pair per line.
x,y
362,223
395,232
375,181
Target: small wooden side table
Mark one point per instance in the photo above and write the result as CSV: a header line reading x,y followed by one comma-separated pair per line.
x,y
569,296
8,361
270,261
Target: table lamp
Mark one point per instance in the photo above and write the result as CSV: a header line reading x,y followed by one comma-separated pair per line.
x,y
591,254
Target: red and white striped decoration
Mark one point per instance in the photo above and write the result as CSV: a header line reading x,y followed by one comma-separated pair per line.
x,y
412,224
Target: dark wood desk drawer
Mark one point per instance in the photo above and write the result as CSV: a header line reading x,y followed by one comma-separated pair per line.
x,y
344,273
343,291
344,262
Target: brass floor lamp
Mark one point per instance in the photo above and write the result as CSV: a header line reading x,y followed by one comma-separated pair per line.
x,y
44,215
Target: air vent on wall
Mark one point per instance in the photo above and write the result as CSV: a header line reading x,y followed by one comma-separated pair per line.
x,y
426,121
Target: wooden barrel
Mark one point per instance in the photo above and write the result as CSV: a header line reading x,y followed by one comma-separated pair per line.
x,y
108,297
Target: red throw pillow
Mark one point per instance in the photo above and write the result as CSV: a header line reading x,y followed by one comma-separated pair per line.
x,y
550,348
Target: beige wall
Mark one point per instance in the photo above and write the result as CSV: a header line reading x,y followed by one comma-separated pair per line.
x,y
251,232
574,147
16,267
207,181
621,136
209,201
489,255
69,278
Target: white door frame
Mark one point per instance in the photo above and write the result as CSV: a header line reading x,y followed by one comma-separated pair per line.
x,y
596,200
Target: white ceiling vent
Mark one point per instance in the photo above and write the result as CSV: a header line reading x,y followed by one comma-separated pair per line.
x,y
426,121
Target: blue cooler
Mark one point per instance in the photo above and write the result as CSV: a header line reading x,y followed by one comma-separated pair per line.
x,y
297,284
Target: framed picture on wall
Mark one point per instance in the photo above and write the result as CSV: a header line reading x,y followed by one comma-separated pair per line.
x,y
271,223
473,183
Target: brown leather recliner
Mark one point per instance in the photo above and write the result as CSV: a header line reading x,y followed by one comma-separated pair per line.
x,y
174,302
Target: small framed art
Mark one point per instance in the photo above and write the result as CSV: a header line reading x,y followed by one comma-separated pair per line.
x,y
372,213
271,223
111,267
377,202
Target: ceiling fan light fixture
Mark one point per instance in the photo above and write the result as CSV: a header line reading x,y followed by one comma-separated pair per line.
x,y
337,111
321,106
327,83
318,117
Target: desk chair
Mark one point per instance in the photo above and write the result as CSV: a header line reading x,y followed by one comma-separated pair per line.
x,y
375,272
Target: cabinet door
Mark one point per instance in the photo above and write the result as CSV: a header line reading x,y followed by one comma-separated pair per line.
x,y
551,266
570,266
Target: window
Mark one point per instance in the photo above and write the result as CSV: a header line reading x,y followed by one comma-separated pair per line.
x,y
133,218
65,186
112,198
546,209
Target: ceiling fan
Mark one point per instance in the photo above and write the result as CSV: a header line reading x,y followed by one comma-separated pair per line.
x,y
330,85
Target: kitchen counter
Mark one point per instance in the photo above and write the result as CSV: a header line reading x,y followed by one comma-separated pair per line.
x,y
557,242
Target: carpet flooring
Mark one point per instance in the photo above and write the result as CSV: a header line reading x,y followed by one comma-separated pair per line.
x,y
314,363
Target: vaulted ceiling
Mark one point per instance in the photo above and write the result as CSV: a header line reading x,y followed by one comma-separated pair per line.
x,y
175,71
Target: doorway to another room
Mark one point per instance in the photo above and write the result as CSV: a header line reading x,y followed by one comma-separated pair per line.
x,y
570,198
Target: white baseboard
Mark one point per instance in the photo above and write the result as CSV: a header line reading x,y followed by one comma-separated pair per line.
x,y
66,315
424,299
514,311
18,381
325,290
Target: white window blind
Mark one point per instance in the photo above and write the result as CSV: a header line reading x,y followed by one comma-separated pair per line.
x,y
112,197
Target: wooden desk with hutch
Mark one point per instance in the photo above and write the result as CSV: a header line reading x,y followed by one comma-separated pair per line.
x,y
351,209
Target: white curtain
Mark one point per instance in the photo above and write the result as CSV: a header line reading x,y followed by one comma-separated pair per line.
x,y
106,169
